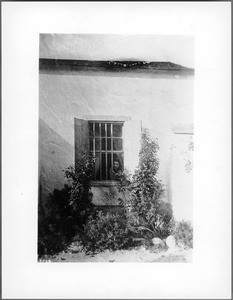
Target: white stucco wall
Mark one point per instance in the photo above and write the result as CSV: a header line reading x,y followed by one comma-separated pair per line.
x,y
181,188
160,102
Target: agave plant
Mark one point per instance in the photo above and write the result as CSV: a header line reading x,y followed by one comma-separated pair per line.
x,y
158,226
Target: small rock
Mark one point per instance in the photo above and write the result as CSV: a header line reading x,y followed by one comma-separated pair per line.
x,y
158,245
171,242
143,248
157,241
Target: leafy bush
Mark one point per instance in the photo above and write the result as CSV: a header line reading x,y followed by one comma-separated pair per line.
x,y
183,232
55,223
79,181
103,232
146,215
65,209
145,182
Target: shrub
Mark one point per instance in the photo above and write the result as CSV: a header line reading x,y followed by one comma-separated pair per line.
x,y
103,232
145,182
79,181
55,223
183,232
66,209
147,216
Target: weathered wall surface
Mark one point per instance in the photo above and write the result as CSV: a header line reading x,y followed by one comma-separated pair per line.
x,y
181,188
55,154
160,102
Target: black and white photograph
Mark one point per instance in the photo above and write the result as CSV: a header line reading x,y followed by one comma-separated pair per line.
x,y
116,142
116,150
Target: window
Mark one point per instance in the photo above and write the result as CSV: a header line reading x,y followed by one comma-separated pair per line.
x,y
109,138
106,145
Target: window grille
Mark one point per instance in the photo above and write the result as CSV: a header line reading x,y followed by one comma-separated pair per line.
x,y
106,145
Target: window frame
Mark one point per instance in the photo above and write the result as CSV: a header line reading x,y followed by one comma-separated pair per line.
x,y
105,151
112,120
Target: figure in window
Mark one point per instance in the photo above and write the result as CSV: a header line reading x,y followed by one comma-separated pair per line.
x,y
116,171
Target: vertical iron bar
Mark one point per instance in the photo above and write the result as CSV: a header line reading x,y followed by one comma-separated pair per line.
x,y
100,152
93,125
111,146
122,140
106,155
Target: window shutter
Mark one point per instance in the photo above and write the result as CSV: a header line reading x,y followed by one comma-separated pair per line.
x,y
81,138
132,144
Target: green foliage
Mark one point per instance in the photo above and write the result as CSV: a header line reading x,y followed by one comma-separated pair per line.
x,y
66,209
189,161
103,232
183,232
161,227
79,177
191,145
146,215
145,182
79,181
56,224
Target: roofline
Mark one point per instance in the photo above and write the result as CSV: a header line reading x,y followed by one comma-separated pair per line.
x,y
113,65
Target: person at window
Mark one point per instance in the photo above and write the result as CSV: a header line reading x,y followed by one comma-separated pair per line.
x,y
115,172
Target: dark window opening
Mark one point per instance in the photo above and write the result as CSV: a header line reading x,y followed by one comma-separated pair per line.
x,y
106,145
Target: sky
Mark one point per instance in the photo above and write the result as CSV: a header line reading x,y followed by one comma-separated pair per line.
x,y
173,48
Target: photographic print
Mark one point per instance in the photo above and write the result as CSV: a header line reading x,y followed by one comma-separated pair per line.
x,y
116,143
116,150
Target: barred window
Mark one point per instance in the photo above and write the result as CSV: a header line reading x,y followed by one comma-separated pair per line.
x,y
106,145
113,140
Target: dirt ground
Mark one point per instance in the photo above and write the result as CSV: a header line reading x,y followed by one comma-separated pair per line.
x,y
75,253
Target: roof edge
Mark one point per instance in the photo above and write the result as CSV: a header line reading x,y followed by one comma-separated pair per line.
x,y
113,65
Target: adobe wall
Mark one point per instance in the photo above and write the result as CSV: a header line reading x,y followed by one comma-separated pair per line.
x,y
159,101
